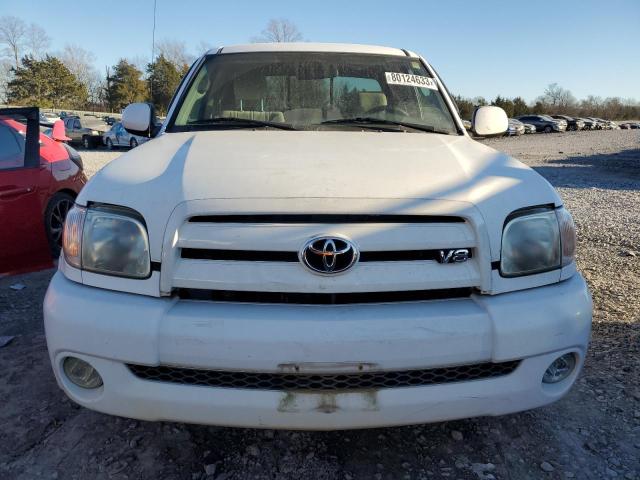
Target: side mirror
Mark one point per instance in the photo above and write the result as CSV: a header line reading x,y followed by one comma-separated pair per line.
x,y
489,121
58,133
140,119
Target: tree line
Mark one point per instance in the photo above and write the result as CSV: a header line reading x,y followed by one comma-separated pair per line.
x,y
32,75
556,101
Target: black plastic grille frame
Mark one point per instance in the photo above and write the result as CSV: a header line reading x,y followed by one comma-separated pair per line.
x,y
302,298
322,382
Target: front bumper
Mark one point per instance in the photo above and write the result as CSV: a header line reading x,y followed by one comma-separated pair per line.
x,y
109,329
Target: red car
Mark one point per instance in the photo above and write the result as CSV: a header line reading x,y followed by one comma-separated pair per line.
x,y
39,180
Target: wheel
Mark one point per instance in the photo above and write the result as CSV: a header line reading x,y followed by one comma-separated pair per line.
x,y
109,144
54,216
86,142
133,143
548,129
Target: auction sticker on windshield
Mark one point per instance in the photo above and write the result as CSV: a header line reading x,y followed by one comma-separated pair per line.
x,y
410,80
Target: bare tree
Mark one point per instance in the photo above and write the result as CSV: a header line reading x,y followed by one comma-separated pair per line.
x,y
558,97
5,78
279,30
79,62
96,88
203,47
176,52
37,40
13,35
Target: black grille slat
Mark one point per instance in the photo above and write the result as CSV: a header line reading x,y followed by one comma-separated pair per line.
x,y
275,256
325,218
322,382
238,255
322,298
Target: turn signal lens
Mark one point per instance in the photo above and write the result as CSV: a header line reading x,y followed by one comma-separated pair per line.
x,y
567,236
72,235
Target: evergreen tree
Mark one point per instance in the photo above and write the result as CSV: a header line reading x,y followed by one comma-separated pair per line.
x,y
125,86
505,104
45,83
520,107
163,81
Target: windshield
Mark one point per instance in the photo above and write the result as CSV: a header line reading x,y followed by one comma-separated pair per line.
x,y
310,91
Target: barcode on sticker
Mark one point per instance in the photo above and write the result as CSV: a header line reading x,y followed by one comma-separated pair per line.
x,y
410,80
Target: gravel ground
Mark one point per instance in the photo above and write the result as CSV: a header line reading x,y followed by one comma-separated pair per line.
x,y
593,433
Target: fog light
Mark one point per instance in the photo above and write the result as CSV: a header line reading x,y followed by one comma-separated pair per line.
x,y
81,373
560,369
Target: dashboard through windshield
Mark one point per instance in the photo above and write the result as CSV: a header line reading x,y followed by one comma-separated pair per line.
x,y
309,91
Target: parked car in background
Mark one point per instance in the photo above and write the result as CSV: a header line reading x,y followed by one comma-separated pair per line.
x,y
39,180
597,124
48,119
605,125
85,131
109,120
119,137
630,125
544,123
529,128
516,127
588,123
573,124
268,262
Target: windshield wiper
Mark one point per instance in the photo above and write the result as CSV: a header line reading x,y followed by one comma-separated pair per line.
x,y
373,122
239,123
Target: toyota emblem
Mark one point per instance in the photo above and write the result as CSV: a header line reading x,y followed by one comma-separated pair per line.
x,y
329,255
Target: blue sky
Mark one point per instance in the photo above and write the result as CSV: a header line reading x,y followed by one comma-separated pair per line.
x,y
478,47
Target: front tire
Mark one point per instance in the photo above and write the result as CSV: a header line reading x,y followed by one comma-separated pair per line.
x,y
133,143
54,217
86,142
109,144
548,129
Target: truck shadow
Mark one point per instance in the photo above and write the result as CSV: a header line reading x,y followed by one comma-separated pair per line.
x,y
617,171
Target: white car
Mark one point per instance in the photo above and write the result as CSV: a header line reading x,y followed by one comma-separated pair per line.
x,y
117,136
313,241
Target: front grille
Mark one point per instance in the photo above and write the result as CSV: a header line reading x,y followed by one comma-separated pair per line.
x,y
322,298
323,382
275,256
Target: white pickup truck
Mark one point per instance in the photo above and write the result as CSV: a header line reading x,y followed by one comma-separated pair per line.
x,y
313,241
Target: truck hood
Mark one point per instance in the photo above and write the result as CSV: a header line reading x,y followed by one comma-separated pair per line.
x,y
393,171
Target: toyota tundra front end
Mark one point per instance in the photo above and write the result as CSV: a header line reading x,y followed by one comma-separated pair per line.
x,y
313,241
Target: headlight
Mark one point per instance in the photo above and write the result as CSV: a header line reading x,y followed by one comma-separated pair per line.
x,y
531,243
107,240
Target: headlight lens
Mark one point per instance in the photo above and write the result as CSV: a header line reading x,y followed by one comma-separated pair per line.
x,y
111,241
530,244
